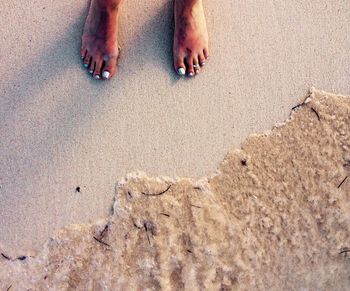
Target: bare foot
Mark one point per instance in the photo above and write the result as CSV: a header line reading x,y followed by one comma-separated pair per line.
x,y
99,48
190,47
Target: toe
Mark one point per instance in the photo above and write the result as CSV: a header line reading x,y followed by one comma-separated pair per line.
x,y
196,65
201,59
179,65
87,60
91,67
206,53
109,68
83,53
190,68
97,71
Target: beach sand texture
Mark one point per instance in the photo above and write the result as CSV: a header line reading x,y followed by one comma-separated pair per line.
x,y
61,130
274,216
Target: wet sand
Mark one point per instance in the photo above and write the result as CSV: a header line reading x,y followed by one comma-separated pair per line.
x,y
274,216
61,130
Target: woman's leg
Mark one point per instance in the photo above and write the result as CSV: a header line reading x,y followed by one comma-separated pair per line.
x,y
99,48
190,47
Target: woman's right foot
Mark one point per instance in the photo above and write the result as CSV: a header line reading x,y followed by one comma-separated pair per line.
x,y
99,48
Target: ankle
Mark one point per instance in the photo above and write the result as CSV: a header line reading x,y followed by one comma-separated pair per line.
x,y
112,5
187,6
188,3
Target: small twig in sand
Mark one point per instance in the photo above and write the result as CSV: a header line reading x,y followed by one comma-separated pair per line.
x,y
297,106
197,188
21,258
5,256
342,182
101,242
149,227
302,103
195,206
129,194
134,223
157,194
318,116
9,288
104,231
189,251
165,214
344,251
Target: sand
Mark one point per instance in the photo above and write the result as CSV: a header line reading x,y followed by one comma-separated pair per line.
x,y
274,216
60,129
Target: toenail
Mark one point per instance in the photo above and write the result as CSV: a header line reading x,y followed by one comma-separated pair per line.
x,y
91,71
97,77
105,74
191,74
181,71
202,63
86,65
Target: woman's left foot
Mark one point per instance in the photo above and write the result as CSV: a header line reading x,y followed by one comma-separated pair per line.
x,y
190,48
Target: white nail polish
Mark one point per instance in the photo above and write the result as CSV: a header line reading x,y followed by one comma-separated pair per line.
x,y
105,74
191,74
202,63
91,71
181,71
97,77
86,65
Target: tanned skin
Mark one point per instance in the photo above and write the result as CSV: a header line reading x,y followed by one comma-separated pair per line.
x,y
100,51
190,46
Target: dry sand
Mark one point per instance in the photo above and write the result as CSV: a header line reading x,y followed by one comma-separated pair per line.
x,y
60,129
274,216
